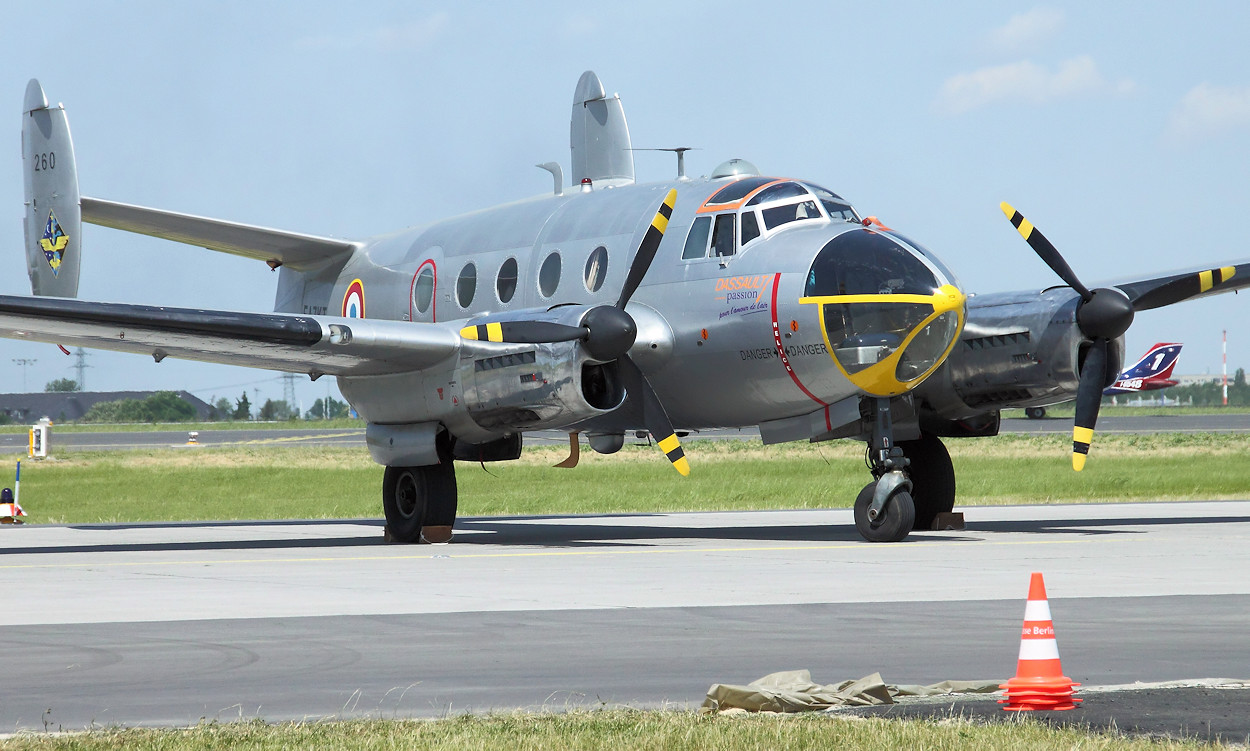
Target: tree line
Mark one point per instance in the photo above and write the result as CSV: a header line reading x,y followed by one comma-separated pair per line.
x,y
167,406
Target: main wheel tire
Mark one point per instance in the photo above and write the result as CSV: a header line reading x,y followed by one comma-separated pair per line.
x,y
440,506
932,478
1035,413
893,525
405,497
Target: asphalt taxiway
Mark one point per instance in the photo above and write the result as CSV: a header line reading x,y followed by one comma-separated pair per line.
x,y
157,624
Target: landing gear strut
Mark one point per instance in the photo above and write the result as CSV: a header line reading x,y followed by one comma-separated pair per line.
x,y
417,498
884,510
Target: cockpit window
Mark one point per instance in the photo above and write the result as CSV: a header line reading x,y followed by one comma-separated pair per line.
x,y
696,241
750,227
775,216
868,263
737,190
723,235
778,192
838,209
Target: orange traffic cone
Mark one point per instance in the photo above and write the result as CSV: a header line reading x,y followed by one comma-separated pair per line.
x,y
1039,682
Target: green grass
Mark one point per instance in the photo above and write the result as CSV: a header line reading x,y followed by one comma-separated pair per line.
x,y
609,730
153,427
305,482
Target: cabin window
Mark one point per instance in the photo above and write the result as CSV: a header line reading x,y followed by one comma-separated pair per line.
x,y
505,281
549,275
596,268
466,285
423,290
723,235
696,241
750,227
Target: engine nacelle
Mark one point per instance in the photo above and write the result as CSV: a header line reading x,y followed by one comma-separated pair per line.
x,y
538,387
1013,353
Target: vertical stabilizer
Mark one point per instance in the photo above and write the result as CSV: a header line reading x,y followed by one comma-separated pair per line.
x,y
52,216
599,136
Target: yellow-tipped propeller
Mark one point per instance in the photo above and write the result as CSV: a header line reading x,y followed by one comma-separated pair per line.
x,y
1104,314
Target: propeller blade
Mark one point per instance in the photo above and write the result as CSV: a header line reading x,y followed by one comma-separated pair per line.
x,y
646,251
1088,401
524,332
656,419
1184,288
1045,250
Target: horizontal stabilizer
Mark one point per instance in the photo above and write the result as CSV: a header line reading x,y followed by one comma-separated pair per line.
x,y
298,251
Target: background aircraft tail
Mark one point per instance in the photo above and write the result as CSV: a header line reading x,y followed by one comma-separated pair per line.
x,y
52,217
1156,364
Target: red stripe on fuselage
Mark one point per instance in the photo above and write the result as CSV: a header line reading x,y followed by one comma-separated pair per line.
x,y
781,350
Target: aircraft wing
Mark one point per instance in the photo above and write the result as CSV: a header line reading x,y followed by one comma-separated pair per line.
x,y
300,252
314,345
1187,285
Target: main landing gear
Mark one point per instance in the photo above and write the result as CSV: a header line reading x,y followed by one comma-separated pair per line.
x,y
913,482
420,502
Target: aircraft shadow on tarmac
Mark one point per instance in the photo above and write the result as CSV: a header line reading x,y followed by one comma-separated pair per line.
x,y
557,532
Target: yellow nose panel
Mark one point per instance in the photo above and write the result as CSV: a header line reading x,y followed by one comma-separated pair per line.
x,y
881,378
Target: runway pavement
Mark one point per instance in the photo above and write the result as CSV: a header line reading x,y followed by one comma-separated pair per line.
x,y
13,443
168,623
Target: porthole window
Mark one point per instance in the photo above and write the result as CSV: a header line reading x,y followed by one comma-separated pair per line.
x,y
505,282
466,285
549,275
596,268
423,290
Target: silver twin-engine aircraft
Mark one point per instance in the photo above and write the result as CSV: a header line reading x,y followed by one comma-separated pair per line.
x,y
609,306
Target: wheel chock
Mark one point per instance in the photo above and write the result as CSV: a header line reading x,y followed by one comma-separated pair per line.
x,y
436,534
948,520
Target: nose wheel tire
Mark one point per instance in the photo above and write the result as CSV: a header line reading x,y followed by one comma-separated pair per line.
x,y
895,521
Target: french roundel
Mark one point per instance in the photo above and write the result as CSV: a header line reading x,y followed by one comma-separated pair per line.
x,y
354,300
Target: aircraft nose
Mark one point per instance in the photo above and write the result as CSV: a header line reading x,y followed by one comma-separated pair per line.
x,y
888,317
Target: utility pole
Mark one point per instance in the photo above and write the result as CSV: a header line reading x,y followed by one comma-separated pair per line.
x,y
24,362
288,392
81,366
1225,367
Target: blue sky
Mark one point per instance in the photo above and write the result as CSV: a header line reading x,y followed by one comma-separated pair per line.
x,y
1121,129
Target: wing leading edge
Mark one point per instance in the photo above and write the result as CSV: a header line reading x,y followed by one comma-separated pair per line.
x,y
314,345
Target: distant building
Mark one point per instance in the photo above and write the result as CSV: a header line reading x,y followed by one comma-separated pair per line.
x,y
65,406
1190,380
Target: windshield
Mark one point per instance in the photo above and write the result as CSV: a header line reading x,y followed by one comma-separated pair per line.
x,y
868,263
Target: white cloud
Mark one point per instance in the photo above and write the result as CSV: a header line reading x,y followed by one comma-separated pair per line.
x,y
1027,31
1209,110
1026,82
409,36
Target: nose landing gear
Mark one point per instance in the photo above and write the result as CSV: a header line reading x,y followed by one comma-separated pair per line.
x,y
884,509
